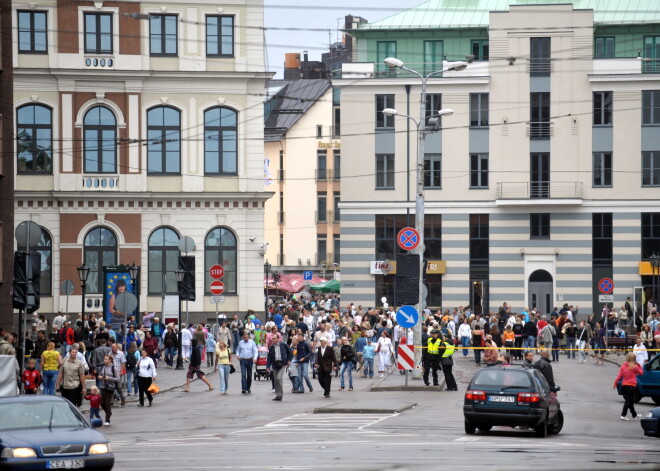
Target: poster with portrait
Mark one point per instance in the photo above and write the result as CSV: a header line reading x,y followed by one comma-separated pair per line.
x,y
117,280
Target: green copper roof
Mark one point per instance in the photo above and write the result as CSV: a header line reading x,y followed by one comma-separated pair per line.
x,y
474,13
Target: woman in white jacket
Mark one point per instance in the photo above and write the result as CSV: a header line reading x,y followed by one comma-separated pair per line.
x,y
385,352
465,333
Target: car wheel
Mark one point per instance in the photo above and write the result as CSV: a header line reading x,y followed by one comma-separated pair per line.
x,y
470,428
542,429
637,396
656,399
556,427
484,428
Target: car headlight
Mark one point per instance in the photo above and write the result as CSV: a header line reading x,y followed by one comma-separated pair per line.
x,y
649,414
18,453
99,449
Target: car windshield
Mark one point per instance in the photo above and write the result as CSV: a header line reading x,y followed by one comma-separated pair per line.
x,y
33,415
502,379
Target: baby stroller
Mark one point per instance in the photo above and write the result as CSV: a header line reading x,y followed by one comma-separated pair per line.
x,y
260,368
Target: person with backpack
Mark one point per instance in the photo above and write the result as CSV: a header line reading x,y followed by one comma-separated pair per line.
x,y
132,357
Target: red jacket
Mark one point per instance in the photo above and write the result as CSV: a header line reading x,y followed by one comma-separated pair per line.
x,y
70,336
31,379
628,376
94,400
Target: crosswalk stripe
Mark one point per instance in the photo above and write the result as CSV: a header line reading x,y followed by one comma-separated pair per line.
x,y
307,422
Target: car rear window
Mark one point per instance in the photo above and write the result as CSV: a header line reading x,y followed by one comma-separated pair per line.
x,y
501,378
26,415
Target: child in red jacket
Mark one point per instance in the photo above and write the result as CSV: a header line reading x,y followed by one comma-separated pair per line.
x,y
94,399
31,378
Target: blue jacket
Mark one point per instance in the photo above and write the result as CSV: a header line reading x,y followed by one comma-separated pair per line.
x,y
303,352
130,338
360,343
285,354
277,318
369,352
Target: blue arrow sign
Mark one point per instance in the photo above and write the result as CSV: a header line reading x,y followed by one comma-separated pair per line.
x,y
307,275
407,316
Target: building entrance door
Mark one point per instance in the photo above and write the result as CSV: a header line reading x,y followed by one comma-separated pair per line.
x,y
541,291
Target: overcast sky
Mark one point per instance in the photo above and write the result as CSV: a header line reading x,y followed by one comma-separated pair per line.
x,y
314,23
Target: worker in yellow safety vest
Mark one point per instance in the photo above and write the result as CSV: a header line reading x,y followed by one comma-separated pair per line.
x,y
448,363
434,355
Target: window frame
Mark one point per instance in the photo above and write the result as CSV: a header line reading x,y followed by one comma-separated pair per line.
x,y
606,52
220,36
336,196
483,49
385,49
540,63
163,35
650,236
100,250
98,34
602,238
321,207
218,131
34,127
387,173
653,166
478,110
539,226
651,43
540,115
99,128
32,31
651,102
163,251
604,172
478,171
433,170
229,272
433,102
165,131
336,241
383,101
321,240
431,65
603,108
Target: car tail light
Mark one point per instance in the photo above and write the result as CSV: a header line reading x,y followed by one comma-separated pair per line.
x,y
475,395
529,397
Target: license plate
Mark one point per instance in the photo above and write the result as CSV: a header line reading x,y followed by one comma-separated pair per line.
x,y
66,464
502,399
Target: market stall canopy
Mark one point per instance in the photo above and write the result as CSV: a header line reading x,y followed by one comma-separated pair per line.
x,y
331,286
291,282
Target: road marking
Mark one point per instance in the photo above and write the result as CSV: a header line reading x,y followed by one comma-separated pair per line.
x,y
313,422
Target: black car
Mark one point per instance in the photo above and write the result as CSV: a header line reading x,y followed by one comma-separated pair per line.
x,y
48,432
651,423
514,396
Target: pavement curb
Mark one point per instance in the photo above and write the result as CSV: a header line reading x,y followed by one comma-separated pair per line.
x,y
376,387
363,410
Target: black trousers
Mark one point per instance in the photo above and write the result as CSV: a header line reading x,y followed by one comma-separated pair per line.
x,y
325,380
434,367
450,381
106,403
629,403
143,387
73,395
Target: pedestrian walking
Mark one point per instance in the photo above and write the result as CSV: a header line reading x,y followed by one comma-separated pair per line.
x,y
447,362
146,374
94,399
109,379
223,365
583,338
303,354
119,361
194,369
31,378
71,378
599,344
368,354
51,361
640,352
247,352
545,367
279,358
326,363
210,349
628,376
132,358
170,343
348,360
385,352
477,342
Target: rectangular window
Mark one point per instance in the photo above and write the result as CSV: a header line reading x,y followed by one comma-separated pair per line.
x,y
539,115
651,107
319,131
602,108
336,123
433,105
432,170
604,48
479,109
337,165
652,53
479,239
480,49
433,56
602,238
32,32
539,226
382,102
98,33
321,250
650,234
337,248
539,175
539,57
321,207
337,198
478,170
219,36
385,49
651,168
602,169
321,165
384,171
163,35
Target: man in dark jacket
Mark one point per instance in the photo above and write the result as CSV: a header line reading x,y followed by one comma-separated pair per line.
x,y
545,367
279,358
326,363
303,354
529,334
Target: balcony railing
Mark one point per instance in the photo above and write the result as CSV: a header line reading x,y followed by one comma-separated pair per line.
x,y
539,190
100,183
651,66
540,129
539,67
372,70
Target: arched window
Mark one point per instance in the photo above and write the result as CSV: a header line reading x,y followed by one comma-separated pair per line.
x,y
164,140
100,141
34,131
100,251
45,249
220,247
163,261
220,141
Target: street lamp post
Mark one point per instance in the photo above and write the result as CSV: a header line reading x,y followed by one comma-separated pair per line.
x,y
83,273
267,267
180,274
393,62
133,272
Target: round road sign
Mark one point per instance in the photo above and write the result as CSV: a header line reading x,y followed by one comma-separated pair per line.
x,y
606,286
408,238
216,272
217,287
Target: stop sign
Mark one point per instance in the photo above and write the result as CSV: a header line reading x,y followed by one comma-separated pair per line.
x,y
216,272
217,287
